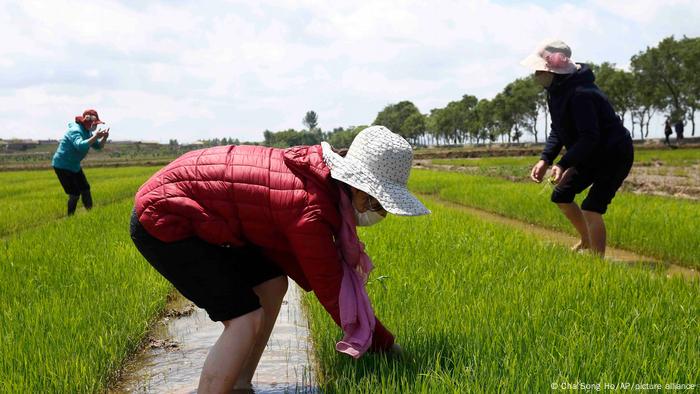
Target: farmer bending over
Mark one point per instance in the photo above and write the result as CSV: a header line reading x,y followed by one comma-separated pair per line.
x,y
227,225
599,150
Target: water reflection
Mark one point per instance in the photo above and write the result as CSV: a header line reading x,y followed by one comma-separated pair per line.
x,y
173,360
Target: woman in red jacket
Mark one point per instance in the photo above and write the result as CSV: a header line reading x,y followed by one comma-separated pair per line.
x,y
227,225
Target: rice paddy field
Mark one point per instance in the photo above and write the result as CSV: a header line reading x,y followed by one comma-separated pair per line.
x,y
643,157
477,306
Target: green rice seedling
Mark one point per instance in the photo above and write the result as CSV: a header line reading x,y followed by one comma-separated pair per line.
x,y
22,210
661,227
480,307
668,157
505,167
519,166
15,184
76,299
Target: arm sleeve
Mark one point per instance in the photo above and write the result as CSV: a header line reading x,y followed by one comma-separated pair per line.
x,y
96,145
552,147
80,144
586,122
316,252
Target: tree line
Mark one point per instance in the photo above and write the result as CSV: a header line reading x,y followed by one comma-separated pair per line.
x,y
662,80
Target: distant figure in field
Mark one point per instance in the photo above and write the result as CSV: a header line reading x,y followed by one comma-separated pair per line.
x,y
599,148
679,129
668,131
71,150
227,225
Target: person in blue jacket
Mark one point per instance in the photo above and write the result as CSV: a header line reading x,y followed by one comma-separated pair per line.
x,y
72,148
599,152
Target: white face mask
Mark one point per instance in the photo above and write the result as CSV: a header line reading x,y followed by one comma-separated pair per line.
x,y
367,218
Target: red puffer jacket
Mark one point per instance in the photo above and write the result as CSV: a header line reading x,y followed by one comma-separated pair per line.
x,y
282,200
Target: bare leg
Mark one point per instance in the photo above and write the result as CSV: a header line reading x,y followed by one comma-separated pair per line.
x,y
596,230
230,352
575,216
271,294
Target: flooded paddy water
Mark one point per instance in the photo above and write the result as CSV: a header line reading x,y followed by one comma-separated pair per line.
x,y
175,352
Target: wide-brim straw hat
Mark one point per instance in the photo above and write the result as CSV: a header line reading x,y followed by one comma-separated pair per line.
x,y
553,56
378,162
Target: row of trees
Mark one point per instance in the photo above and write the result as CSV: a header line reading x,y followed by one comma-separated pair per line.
x,y
340,137
663,80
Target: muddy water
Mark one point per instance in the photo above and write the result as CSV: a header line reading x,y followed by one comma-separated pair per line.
x,y
174,356
613,254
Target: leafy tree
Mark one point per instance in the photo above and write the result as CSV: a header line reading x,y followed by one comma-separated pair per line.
x,y
617,85
659,81
310,120
456,122
342,138
689,54
414,127
522,97
487,124
393,116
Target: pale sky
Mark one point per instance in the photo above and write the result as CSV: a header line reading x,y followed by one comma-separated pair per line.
x,y
188,70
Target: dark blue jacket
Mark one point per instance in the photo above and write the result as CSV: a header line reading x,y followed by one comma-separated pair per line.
x,y
583,121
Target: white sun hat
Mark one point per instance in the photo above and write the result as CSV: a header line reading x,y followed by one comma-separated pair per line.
x,y
553,56
378,162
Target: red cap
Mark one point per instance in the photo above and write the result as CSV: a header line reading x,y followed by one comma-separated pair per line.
x,y
81,118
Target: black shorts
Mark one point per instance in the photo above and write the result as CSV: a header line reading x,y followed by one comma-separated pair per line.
x,y
217,279
606,176
73,183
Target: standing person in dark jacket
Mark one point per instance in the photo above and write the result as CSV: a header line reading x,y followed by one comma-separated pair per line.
x,y
679,129
599,150
668,131
72,149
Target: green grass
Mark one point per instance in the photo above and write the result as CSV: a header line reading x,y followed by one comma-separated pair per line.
x,y
16,183
521,165
479,307
507,161
669,157
39,196
510,167
661,227
76,299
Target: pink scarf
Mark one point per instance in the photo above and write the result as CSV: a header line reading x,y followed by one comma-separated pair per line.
x,y
356,314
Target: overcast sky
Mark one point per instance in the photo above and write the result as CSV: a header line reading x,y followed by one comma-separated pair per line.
x,y
189,70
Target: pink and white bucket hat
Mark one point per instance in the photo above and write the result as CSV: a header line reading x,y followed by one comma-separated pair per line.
x,y
553,56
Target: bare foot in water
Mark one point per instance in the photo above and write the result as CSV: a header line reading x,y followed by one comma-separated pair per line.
x,y
580,247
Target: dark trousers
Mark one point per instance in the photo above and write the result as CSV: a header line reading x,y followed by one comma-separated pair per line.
x,y
76,186
217,279
604,177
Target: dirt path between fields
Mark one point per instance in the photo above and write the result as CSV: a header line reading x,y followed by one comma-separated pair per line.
x,y
553,236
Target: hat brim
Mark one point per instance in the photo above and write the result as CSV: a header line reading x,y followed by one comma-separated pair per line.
x,y
394,198
537,63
